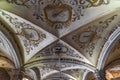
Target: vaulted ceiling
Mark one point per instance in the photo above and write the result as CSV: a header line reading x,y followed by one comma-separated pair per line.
x,y
53,39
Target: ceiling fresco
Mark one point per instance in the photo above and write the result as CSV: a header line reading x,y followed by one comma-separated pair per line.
x,y
61,49
30,37
59,39
89,39
75,13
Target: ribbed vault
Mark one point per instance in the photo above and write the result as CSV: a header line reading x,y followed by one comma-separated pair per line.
x,y
59,39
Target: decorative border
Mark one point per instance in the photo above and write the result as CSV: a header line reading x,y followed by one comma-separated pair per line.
x,y
91,37
64,7
26,35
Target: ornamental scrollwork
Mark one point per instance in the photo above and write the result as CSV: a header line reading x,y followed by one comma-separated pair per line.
x,y
88,36
31,36
58,13
58,49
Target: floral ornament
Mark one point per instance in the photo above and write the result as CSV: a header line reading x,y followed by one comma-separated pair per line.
x,y
88,36
30,36
59,13
58,49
